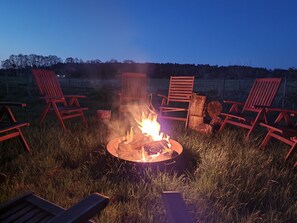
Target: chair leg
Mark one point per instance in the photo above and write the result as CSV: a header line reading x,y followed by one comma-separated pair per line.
x,y
187,120
249,133
43,114
254,124
83,117
2,112
223,125
266,139
23,140
59,116
293,147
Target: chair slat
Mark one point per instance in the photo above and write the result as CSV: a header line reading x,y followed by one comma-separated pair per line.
x,y
13,217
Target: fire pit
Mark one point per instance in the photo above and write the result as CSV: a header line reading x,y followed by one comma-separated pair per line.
x,y
143,155
148,145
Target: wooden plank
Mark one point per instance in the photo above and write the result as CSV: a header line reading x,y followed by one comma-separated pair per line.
x,y
176,209
16,215
45,205
8,126
29,215
83,210
10,210
41,216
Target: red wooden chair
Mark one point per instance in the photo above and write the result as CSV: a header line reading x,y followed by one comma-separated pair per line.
x,y
50,91
10,128
253,110
134,92
285,132
176,104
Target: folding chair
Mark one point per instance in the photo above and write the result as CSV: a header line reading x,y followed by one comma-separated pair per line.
x,y
261,96
134,93
10,128
51,92
285,132
31,208
176,104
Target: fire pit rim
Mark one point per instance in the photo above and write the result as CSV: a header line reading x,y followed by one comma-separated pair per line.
x,y
176,146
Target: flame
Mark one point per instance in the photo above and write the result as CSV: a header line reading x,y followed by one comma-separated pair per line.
x,y
151,127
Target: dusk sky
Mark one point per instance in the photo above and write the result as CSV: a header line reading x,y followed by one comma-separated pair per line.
x,y
257,33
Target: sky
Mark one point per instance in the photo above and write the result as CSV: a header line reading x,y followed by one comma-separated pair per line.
x,y
257,33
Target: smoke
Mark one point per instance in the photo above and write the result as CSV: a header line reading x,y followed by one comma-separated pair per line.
x,y
127,120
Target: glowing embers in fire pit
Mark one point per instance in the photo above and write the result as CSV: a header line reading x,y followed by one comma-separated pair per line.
x,y
149,145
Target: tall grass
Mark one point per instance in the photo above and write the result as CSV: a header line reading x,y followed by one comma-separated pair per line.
x,y
223,178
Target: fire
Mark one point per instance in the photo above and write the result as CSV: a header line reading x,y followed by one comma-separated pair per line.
x,y
149,126
147,144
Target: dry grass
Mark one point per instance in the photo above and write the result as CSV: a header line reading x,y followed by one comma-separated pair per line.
x,y
223,179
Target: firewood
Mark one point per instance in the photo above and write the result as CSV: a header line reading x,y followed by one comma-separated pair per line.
x,y
136,143
154,147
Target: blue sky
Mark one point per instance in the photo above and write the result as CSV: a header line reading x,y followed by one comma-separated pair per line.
x,y
258,33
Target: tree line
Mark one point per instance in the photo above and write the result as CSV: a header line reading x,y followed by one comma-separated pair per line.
x,y
77,68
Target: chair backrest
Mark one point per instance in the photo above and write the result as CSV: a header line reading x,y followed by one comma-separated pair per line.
x,y
180,88
48,84
262,93
134,87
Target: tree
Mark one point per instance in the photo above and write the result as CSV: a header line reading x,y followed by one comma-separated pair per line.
x,y
129,61
6,64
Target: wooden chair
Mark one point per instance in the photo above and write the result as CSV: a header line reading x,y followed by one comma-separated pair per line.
x,y
31,208
175,207
51,92
9,127
253,110
176,104
134,92
282,129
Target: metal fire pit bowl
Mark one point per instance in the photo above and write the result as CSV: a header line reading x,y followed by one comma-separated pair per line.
x,y
112,148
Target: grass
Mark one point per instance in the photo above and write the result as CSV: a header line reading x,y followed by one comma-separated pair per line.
x,y
224,178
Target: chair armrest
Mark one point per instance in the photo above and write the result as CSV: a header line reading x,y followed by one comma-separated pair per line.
x,y
289,111
233,102
269,126
83,210
75,96
161,95
52,98
283,114
13,104
234,106
164,99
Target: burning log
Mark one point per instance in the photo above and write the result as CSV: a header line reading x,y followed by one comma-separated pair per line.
x,y
132,147
136,143
141,147
155,147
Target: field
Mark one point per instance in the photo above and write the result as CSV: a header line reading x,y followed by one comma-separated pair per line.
x,y
223,179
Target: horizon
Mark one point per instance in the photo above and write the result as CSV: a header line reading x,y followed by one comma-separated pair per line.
x,y
63,61
216,33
